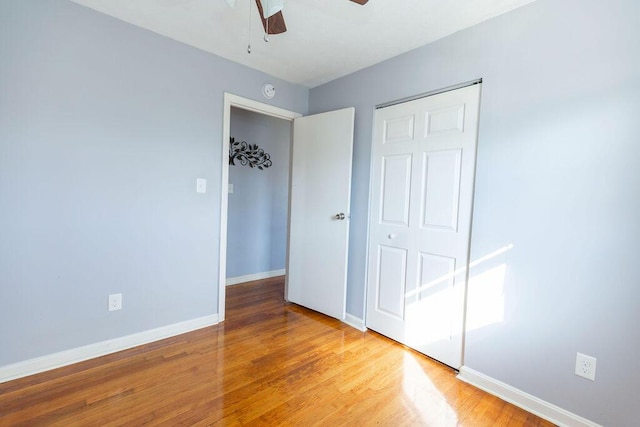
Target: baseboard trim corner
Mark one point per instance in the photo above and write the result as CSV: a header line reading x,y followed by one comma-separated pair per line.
x,y
355,322
91,351
523,400
257,276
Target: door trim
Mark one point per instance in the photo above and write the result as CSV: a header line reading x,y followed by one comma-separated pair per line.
x,y
231,100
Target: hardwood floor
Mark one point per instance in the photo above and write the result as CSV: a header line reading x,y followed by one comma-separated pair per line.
x,y
269,363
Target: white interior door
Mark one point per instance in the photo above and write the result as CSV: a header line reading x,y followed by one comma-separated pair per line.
x,y
422,192
319,216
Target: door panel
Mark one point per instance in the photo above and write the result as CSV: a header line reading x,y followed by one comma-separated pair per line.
x,y
435,274
396,188
441,186
422,210
399,129
320,189
391,280
445,121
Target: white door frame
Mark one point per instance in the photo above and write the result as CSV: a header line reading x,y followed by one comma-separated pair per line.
x,y
231,100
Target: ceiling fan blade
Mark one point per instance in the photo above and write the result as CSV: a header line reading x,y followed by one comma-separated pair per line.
x,y
276,21
360,2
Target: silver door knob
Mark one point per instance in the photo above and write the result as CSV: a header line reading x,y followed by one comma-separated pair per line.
x,y
392,235
340,216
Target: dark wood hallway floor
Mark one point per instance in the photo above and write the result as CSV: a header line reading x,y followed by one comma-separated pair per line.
x,y
269,363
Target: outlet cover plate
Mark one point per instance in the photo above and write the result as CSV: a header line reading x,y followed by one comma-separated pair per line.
x,y
586,366
115,302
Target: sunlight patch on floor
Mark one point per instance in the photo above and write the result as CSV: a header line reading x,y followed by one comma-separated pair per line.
x,y
425,399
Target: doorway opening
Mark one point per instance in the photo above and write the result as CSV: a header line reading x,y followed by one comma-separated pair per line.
x,y
258,194
252,115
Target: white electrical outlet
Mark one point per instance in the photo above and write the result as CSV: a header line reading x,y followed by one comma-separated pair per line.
x,y
586,366
115,302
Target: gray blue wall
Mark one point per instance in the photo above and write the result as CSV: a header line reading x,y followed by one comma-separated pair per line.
x,y
258,207
104,128
557,178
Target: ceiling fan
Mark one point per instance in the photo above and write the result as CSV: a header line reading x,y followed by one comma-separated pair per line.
x,y
272,18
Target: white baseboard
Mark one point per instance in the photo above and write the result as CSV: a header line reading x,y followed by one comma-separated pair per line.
x,y
355,322
523,400
251,277
79,354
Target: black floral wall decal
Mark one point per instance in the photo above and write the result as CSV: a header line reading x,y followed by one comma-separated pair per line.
x,y
248,154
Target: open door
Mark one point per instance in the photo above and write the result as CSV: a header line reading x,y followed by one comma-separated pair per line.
x,y
320,189
319,211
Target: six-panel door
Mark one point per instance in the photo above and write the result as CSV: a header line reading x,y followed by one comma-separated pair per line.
x,y
422,190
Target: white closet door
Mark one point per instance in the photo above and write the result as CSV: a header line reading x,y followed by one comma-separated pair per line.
x,y
423,173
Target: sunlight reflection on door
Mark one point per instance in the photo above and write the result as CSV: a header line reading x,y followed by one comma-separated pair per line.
x,y
434,304
428,319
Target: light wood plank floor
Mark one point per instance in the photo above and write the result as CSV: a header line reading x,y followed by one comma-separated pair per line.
x,y
269,363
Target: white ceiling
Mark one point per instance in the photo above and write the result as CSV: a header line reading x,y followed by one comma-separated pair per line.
x,y
326,39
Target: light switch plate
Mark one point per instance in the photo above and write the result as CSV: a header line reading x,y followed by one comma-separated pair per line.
x,y
201,185
230,188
